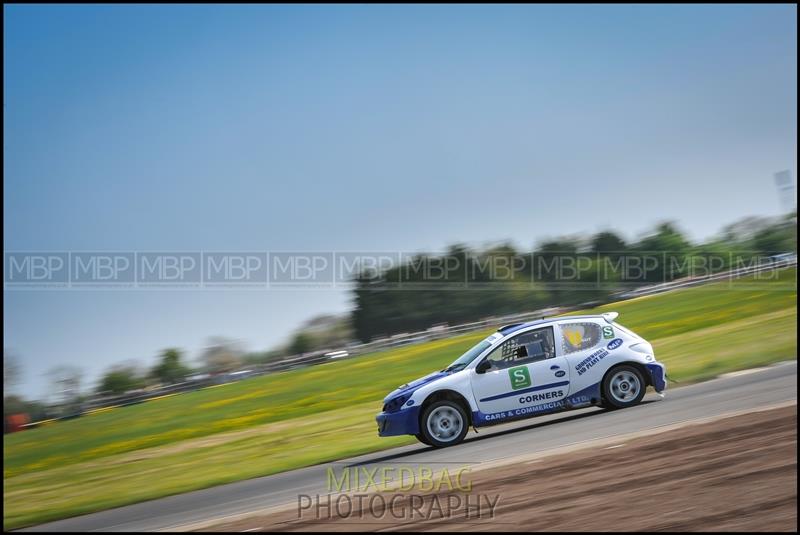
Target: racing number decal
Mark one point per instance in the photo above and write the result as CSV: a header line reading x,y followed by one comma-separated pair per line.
x,y
608,332
520,377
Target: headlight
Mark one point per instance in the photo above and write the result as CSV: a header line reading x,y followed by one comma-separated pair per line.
x,y
395,404
643,348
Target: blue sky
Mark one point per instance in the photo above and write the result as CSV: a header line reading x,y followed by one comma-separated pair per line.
x,y
364,128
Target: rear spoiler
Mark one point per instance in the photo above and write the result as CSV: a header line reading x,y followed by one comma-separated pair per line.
x,y
610,316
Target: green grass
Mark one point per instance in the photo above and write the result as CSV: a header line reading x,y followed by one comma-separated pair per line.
x,y
746,343
696,308
228,407
107,482
289,420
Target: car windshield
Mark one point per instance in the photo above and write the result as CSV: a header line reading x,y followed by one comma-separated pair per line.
x,y
462,361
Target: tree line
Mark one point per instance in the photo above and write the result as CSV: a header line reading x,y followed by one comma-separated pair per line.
x,y
465,285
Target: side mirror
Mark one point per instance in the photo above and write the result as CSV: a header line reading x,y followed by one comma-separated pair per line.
x,y
483,366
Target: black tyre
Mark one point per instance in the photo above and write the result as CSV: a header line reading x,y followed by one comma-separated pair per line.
x,y
623,386
444,423
422,439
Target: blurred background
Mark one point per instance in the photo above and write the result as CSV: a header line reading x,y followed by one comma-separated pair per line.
x,y
457,167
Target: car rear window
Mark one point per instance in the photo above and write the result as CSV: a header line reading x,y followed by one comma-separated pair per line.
x,y
579,336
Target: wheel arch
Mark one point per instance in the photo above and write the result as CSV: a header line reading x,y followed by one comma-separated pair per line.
x,y
449,395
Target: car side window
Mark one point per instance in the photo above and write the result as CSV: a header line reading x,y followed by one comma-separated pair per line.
x,y
579,336
524,348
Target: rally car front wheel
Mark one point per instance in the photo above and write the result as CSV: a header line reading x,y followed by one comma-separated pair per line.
x,y
443,423
623,386
422,439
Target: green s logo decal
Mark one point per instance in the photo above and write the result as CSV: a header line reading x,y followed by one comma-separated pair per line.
x,y
520,377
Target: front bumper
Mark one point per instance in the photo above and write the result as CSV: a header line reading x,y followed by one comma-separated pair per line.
x,y
402,422
658,376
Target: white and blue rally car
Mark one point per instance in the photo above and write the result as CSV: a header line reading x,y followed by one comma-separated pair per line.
x,y
524,370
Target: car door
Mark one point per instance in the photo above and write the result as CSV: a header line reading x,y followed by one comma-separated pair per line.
x,y
522,378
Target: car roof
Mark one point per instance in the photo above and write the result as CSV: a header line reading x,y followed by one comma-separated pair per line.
x,y
514,327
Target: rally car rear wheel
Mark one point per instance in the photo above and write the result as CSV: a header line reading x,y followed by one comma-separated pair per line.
x,y
623,386
444,423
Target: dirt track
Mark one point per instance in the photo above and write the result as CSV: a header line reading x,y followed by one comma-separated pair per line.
x,y
739,474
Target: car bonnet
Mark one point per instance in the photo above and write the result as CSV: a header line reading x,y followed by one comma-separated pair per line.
x,y
409,388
